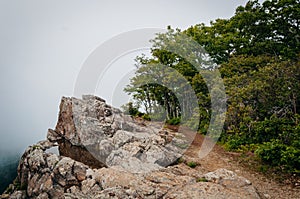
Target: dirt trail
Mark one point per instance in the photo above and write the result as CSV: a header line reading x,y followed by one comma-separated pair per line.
x,y
219,158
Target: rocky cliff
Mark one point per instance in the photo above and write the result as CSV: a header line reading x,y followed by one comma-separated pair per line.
x,y
106,154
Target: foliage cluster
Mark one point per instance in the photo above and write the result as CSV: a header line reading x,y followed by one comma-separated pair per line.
x,y
257,54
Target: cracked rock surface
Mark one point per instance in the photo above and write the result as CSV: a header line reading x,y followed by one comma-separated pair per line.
x,y
92,132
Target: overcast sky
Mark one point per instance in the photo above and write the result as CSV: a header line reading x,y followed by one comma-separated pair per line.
x,y
43,45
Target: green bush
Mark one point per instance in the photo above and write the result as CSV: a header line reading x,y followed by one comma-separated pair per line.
x,y
234,142
202,180
276,153
192,164
130,109
146,117
174,121
276,141
133,112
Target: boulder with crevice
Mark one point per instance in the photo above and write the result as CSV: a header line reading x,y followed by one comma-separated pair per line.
x,y
99,135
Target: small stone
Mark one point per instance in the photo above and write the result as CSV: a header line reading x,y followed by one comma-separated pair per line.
x,y
52,160
43,196
87,185
53,136
5,196
79,171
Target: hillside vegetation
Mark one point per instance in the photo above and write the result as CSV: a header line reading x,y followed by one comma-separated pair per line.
x,y
257,54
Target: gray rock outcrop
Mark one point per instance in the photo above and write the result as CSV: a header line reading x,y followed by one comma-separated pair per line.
x,y
92,132
106,154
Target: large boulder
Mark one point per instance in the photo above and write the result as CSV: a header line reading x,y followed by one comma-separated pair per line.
x,y
90,131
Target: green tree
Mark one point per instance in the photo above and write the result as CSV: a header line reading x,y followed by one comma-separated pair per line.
x,y
271,28
257,52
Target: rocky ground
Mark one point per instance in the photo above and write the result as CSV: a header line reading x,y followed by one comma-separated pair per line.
x,y
267,186
106,154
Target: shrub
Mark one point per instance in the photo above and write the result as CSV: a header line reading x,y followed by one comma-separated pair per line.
x,y
202,180
276,153
174,121
234,142
146,117
130,109
192,164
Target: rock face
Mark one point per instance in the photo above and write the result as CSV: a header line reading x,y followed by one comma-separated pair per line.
x,y
106,154
94,133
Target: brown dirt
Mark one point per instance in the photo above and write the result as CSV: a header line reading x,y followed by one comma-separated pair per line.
x,y
266,185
